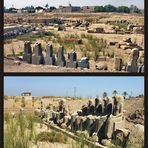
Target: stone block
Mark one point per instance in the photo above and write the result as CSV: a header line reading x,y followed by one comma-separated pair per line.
x,y
83,63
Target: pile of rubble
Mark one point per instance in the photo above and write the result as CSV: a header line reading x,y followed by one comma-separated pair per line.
x,y
128,44
14,31
137,117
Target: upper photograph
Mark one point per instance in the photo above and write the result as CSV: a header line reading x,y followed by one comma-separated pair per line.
x,y
74,36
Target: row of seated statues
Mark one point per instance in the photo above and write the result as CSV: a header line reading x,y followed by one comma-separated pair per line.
x,y
96,119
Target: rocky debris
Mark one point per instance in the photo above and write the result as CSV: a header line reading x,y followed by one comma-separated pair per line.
x,y
13,31
17,62
73,40
96,30
137,117
138,30
101,66
112,43
140,128
61,28
127,44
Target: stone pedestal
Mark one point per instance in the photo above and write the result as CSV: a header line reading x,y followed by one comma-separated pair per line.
x,y
132,66
84,63
72,60
37,57
50,58
60,57
117,63
27,56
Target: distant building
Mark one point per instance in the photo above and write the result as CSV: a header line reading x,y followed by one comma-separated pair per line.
x,y
22,11
13,10
39,10
26,94
88,9
68,9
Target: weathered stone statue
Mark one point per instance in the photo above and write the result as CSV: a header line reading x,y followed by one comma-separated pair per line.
x,y
98,107
90,108
107,108
58,115
118,105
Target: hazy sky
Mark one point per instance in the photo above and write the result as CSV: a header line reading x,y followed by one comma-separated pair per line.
x,y
62,85
22,3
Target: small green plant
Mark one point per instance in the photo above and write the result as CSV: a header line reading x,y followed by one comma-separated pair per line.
x,y
13,52
120,25
23,102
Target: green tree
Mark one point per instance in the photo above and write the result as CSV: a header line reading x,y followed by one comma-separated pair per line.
x,y
134,9
104,94
46,6
125,94
123,9
99,9
115,92
110,8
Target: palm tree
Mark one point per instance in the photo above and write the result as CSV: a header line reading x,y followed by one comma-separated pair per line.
x,y
46,6
125,94
115,92
104,94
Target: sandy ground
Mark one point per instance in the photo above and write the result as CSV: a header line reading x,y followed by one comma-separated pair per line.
x,y
10,66
98,21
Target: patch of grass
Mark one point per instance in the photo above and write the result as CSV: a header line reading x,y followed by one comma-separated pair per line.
x,y
13,52
19,130
23,103
33,37
83,35
51,137
120,25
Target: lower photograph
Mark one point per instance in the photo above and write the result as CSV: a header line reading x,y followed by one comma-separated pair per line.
x,y
74,112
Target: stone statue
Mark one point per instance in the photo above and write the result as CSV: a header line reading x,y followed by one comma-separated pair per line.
x,y
98,107
118,105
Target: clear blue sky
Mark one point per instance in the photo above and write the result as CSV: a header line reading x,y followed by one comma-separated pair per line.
x,y
22,3
64,85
